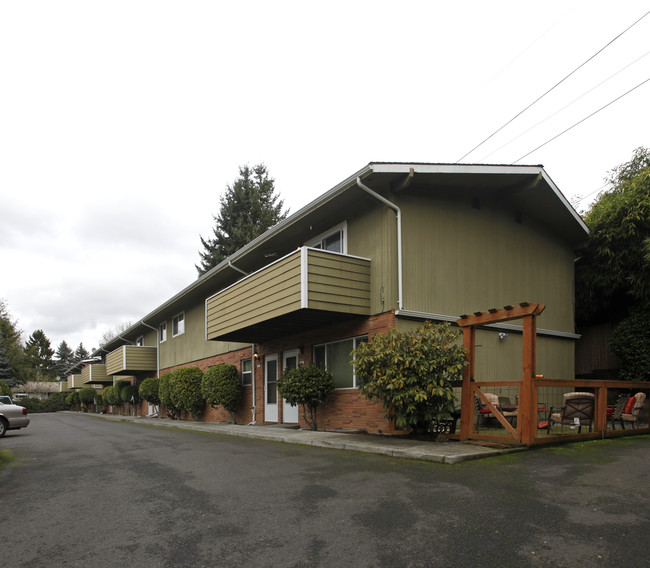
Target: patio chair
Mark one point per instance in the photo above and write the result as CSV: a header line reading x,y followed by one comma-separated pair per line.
x,y
617,411
508,410
575,405
631,410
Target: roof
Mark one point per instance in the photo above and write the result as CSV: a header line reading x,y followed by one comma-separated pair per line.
x,y
528,186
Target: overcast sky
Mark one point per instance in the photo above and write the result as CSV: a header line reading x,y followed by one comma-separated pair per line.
x,y
122,122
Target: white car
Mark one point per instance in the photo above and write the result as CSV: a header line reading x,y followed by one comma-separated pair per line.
x,y
12,416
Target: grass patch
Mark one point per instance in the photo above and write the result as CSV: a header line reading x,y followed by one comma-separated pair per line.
x,y
6,457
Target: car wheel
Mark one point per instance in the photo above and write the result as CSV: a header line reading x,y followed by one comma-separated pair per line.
x,y
3,427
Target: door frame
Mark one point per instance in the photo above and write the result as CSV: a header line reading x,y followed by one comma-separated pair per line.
x,y
289,413
270,409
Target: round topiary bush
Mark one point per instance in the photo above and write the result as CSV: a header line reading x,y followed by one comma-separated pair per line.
x,y
87,395
186,390
165,394
149,390
221,386
307,386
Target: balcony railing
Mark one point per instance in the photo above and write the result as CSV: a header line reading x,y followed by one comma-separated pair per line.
x,y
132,359
95,373
302,290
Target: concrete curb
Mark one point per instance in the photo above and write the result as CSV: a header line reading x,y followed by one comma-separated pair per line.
x,y
445,453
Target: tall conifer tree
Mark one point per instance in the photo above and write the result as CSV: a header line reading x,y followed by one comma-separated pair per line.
x,y
248,208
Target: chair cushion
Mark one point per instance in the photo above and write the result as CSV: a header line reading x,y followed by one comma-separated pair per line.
x,y
629,405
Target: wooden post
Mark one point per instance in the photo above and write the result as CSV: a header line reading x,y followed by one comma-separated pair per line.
x,y
467,402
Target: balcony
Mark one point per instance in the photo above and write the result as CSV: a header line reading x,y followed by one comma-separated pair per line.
x,y
306,289
95,374
75,382
132,360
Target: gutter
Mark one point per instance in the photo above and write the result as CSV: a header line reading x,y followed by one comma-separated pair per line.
x,y
398,214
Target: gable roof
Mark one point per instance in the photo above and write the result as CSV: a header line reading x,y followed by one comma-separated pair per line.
x,y
529,188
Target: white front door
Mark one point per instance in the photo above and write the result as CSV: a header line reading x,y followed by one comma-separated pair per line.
x,y
289,413
270,388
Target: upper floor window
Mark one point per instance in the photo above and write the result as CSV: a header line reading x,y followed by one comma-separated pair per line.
x,y
178,324
140,341
334,240
162,332
335,357
246,373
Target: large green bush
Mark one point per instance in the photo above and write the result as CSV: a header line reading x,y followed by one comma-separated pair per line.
x,y
54,403
631,342
221,386
149,390
308,386
33,405
72,399
186,390
411,373
87,396
129,394
165,393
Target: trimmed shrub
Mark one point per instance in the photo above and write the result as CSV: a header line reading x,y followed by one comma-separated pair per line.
x,y
149,390
186,390
87,395
165,393
307,386
33,405
72,399
129,394
54,403
221,386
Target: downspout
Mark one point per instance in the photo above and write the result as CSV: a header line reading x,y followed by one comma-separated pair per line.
x,y
253,361
399,236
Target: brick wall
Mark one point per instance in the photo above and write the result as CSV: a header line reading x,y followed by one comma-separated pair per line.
x,y
344,409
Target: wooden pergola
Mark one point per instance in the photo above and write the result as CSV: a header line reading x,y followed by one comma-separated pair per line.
x,y
524,432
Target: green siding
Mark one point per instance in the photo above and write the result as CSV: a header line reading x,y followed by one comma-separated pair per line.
x,y
131,359
269,293
459,260
191,346
335,283
94,372
338,283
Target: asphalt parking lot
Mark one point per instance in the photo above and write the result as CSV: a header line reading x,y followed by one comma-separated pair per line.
x,y
94,492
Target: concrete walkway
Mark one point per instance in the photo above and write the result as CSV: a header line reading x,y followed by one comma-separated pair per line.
x,y
450,452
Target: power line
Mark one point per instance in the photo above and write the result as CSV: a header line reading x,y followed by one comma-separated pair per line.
x,y
565,106
581,121
553,87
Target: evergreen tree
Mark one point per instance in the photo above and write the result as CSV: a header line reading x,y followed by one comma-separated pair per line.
x,y
81,353
64,359
5,366
39,354
248,208
14,350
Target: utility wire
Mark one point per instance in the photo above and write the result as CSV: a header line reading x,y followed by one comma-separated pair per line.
x,y
581,121
553,87
564,107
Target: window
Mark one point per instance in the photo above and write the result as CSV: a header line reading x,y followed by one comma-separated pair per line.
x,y
335,357
333,240
246,373
178,324
140,341
162,332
